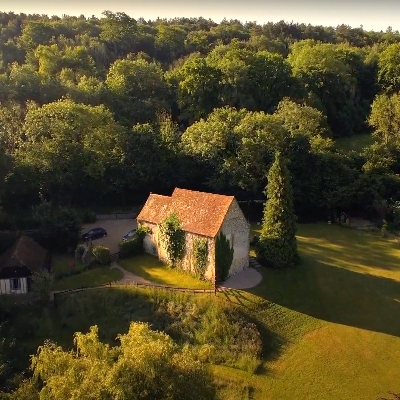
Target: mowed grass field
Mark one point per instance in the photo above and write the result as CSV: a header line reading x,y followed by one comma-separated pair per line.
x,y
331,326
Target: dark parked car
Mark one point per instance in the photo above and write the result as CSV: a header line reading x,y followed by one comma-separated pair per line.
x,y
130,235
95,233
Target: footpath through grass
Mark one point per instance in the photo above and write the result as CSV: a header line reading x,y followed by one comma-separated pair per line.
x,y
333,321
150,268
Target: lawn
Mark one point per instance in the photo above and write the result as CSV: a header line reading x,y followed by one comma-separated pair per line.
x,y
355,142
150,268
334,331
61,263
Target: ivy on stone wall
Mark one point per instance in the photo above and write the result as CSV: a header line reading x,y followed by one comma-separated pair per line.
x,y
173,237
223,258
200,255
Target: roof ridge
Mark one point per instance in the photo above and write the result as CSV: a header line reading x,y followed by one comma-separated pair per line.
x,y
203,193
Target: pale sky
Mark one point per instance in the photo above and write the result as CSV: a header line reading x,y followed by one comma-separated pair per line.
x,y
373,15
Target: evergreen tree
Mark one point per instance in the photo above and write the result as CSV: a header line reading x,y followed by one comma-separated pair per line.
x,y
277,245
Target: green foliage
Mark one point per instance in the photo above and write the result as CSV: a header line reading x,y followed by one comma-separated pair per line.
x,y
101,254
389,69
223,258
88,217
277,245
146,365
59,227
385,119
69,147
173,238
138,90
203,323
42,282
200,255
384,229
133,246
80,249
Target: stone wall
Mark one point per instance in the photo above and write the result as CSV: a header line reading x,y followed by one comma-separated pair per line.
x,y
150,240
188,262
237,230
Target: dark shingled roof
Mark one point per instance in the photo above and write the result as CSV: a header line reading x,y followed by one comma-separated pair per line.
x,y
201,213
24,253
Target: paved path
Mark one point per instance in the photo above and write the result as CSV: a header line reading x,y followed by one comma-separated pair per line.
x,y
129,276
245,279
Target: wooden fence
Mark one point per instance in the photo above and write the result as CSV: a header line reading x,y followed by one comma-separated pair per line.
x,y
136,284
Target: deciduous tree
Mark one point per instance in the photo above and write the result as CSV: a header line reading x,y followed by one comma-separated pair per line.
x,y
146,365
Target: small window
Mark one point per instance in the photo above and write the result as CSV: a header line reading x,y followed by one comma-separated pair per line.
x,y
14,283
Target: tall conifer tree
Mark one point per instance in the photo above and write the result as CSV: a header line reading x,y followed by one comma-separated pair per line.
x,y
277,245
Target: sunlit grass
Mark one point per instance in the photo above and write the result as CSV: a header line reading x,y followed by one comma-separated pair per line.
x,y
93,277
150,268
335,331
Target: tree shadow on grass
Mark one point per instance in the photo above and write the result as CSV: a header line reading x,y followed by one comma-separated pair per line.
x,y
335,294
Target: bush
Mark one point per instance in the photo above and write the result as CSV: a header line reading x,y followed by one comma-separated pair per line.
x,y
102,254
131,247
59,227
80,249
88,216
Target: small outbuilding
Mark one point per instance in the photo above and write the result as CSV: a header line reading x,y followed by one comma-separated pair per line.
x,y
203,216
19,262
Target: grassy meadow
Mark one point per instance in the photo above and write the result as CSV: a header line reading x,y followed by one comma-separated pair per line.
x,y
329,327
333,326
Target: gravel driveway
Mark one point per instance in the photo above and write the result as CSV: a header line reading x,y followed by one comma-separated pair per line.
x,y
116,229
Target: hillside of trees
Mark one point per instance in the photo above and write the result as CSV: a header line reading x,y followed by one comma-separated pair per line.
x,y
98,111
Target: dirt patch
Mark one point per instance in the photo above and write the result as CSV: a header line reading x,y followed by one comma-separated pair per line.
x,y
115,228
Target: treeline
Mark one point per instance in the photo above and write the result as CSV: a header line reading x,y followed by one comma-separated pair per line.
x,y
100,110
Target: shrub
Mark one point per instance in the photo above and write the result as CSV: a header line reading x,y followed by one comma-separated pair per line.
x,y
131,247
173,237
384,228
80,249
200,252
88,216
41,285
134,246
223,258
101,254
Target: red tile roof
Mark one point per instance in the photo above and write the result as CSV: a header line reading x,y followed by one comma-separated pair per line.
x,y
200,212
155,209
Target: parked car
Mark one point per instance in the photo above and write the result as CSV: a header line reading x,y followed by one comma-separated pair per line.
x,y
95,233
130,235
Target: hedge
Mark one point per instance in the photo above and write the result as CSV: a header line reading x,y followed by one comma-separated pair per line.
x,y
102,254
131,247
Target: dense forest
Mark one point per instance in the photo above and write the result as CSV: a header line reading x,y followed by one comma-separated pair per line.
x,y
98,111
